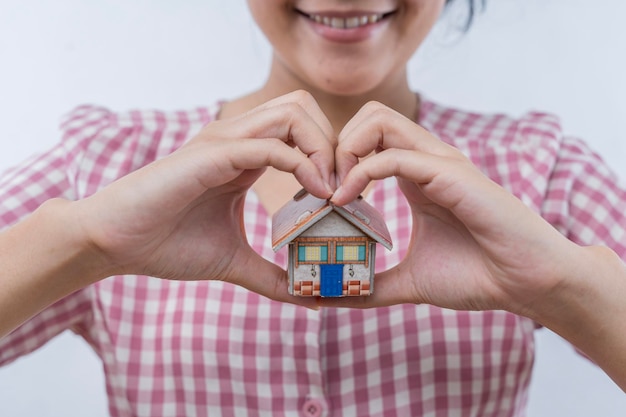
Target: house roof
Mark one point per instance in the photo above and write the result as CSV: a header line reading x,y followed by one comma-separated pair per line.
x,y
304,210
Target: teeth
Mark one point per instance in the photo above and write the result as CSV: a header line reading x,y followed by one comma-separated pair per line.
x,y
346,23
352,22
337,22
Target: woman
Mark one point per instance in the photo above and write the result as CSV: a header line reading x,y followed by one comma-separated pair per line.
x,y
201,187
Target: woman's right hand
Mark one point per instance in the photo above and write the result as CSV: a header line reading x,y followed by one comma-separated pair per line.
x,y
181,217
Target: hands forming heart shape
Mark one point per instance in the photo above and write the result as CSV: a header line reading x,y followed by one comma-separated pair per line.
x,y
473,245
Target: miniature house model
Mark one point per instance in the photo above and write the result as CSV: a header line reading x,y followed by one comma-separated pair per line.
x,y
331,249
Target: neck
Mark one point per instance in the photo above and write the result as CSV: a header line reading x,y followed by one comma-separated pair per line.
x,y
275,187
339,108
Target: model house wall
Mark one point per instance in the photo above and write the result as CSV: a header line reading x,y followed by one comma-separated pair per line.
x,y
331,249
331,241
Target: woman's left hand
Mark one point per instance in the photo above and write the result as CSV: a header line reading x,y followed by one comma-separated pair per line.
x,y
474,246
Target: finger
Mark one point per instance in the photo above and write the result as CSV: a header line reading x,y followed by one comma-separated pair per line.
x,y
265,278
436,175
452,183
377,127
305,100
297,120
388,290
223,161
252,154
387,126
291,124
178,179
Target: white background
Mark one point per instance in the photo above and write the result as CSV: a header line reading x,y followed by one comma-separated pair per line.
x,y
561,56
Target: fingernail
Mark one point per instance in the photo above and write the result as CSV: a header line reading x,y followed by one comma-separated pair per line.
x,y
329,188
337,194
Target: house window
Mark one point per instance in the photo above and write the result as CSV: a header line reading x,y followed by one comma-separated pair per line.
x,y
313,253
350,253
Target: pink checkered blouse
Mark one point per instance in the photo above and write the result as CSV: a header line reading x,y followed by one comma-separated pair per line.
x,y
210,348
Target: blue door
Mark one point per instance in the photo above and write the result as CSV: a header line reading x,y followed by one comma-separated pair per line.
x,y
331,280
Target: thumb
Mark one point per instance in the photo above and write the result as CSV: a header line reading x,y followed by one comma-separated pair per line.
x,y
389,290
266,278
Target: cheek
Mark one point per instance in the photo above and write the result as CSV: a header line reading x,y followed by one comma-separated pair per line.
x,y
433,5
420,17
270,16
424,13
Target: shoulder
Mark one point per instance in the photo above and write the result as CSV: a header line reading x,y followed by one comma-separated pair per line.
x,y
102,145
457,125
90,121
534,132
578,156
519,153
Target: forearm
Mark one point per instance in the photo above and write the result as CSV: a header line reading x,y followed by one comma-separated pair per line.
x,y
43,258
589,309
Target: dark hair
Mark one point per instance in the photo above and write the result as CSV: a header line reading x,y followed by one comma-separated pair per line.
x,y
473,7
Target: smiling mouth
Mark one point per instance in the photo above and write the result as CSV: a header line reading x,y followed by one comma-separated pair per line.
x,y
350,22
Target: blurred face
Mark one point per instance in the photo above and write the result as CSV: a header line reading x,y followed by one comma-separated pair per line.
x,y
344,47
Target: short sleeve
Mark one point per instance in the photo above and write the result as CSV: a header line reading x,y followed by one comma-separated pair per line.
x,y
23,189
585,199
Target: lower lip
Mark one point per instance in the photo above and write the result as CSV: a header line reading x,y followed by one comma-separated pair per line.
x,y
351,35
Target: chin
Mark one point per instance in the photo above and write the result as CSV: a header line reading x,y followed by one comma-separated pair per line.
x,y
349,86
